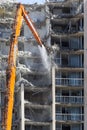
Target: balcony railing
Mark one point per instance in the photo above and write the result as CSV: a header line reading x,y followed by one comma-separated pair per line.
x,y
71,117
70,99
69,81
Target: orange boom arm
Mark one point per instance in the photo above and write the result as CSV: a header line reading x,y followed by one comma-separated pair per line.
x,y
11,70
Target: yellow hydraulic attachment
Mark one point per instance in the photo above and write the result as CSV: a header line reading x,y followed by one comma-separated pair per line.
x,y
11,70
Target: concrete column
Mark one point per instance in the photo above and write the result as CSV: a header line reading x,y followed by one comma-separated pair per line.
x,y
85,64
22,108
53,100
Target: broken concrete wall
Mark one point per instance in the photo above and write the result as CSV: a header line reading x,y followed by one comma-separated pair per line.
x,y
30,69
33,61
32,73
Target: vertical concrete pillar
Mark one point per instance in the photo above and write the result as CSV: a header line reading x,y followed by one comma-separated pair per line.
x,y
22,108
53,99
85,64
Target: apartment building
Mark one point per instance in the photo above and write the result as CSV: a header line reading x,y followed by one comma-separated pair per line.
x,y
67,34
55,99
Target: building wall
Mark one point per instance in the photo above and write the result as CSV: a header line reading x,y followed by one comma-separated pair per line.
x,y
67,36
36,94
85,64
49,101
5,32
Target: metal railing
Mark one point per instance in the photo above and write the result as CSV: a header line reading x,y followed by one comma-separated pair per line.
x,y
70,99
71,117
69,81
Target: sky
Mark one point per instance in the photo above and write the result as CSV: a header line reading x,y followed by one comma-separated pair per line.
x,y
31,1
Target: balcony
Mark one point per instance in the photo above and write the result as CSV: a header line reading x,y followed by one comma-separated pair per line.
x,y
70,99
65,63
69,117
69,81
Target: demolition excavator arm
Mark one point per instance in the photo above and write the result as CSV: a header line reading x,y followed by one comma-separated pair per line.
x,y
11,70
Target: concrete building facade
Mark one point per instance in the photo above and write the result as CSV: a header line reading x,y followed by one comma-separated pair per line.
x,y
67,34
55,99
34,82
